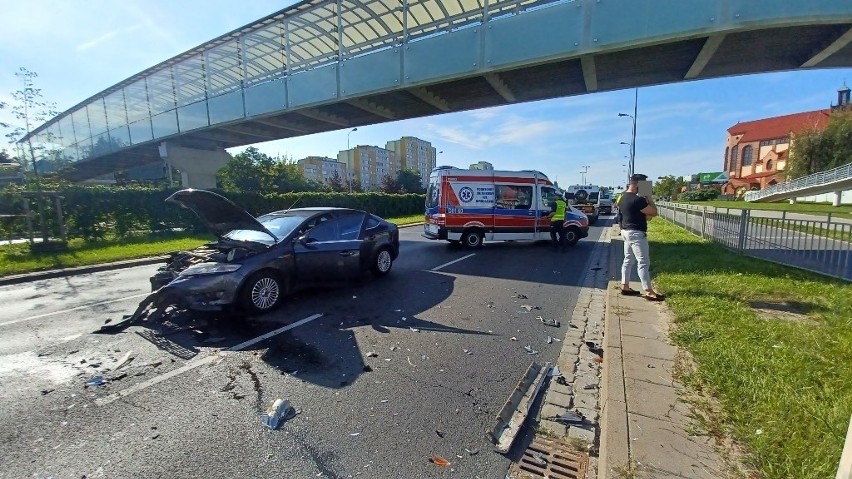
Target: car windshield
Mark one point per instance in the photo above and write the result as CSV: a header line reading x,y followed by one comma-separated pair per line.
x,y
280,226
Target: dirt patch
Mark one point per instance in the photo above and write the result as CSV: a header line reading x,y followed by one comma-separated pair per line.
x,y
791,311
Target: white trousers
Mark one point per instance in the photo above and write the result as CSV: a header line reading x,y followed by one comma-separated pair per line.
x,y
636,251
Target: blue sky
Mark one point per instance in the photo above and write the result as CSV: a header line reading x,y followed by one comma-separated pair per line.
x,y
79,48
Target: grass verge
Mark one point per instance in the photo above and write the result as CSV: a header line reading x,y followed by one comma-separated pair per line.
x,y
783,381
17,258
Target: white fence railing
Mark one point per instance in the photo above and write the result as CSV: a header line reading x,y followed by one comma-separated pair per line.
x,y
840,173
819,244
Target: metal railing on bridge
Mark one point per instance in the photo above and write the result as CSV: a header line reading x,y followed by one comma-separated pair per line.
x,y
821,245
827,178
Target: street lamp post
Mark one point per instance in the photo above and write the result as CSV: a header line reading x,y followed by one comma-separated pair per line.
x,y
633,137
350,163
583,174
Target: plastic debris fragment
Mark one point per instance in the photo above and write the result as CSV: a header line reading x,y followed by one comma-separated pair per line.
x,y
549,340
125,360
414,330
278,412
472,452
530,350
548,322
439,461
571,417
513,338
96,381
372,354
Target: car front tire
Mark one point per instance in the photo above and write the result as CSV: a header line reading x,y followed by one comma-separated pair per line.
x,y
382,262
263,292
572,235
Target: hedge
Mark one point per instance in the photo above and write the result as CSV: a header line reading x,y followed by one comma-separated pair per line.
x,y
92,212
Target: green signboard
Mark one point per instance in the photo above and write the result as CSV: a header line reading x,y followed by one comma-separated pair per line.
x,y
715,177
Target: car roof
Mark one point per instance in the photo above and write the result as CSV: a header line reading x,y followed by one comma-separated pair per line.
x,y
315,209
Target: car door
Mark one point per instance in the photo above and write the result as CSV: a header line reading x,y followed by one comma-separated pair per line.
x,y
542,207
352,249
324,255
315,250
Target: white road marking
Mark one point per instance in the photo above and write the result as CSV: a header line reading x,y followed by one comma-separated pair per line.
x,y
198,363
85,306
437,268
273,333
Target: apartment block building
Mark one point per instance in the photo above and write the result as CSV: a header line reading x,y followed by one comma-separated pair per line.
x,y
369,164
415,154
482,165
321,168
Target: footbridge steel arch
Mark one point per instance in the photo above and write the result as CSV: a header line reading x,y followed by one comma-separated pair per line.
x,y
322,65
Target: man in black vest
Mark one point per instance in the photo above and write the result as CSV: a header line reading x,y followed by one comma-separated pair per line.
x,y
634,211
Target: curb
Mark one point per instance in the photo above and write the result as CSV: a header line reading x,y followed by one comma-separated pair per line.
x,y
614,444
61,273
94,268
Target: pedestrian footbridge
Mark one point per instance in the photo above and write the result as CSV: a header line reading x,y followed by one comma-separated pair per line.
x,y
322,65
831,181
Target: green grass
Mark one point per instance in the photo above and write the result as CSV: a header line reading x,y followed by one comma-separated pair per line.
x,y
790,380
844,211
17,258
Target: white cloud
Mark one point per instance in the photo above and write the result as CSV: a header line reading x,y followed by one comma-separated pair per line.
x,y
97,41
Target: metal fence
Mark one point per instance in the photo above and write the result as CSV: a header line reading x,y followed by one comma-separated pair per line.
x,y
819,244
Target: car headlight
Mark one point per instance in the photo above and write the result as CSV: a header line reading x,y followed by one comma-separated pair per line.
x,y
210,268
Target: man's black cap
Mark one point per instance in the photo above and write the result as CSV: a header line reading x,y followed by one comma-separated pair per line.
x,y
638,177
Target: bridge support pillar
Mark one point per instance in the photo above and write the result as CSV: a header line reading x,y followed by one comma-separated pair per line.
x,y
838,195
197,167
793,200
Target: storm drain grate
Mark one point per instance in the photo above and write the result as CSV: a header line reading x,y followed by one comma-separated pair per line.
x,y
550,459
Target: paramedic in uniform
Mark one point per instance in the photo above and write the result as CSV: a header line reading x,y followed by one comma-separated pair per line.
x,y
634,211
557,221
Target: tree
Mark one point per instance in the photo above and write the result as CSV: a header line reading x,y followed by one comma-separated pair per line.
x,y
668,186
336,182
246,171
389,184
409,181
814,150
30,110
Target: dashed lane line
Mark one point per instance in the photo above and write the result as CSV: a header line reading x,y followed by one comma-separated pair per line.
x,y
198,363
438,268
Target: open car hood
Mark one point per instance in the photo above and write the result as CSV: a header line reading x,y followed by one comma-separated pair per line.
x,y
220,214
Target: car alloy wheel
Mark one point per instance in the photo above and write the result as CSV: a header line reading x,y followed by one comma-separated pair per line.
x,y
383,262
263,292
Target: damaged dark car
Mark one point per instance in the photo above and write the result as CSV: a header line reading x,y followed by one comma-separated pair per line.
x,y
255,262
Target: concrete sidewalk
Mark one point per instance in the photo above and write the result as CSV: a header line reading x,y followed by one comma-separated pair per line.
x,y
644,425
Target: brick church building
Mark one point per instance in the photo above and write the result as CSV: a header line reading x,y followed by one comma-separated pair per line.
x,y
757,151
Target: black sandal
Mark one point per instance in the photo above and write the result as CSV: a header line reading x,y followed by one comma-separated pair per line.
x,y
655,297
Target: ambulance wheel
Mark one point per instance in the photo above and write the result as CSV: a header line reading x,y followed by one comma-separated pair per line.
x,y
572,235
472,239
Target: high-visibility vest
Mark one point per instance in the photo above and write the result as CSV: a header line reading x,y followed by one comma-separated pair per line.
x,y
560,210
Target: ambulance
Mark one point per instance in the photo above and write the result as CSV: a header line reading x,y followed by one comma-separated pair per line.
x,y
474,206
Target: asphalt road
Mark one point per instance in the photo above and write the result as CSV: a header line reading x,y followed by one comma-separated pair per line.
x,y
446,327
